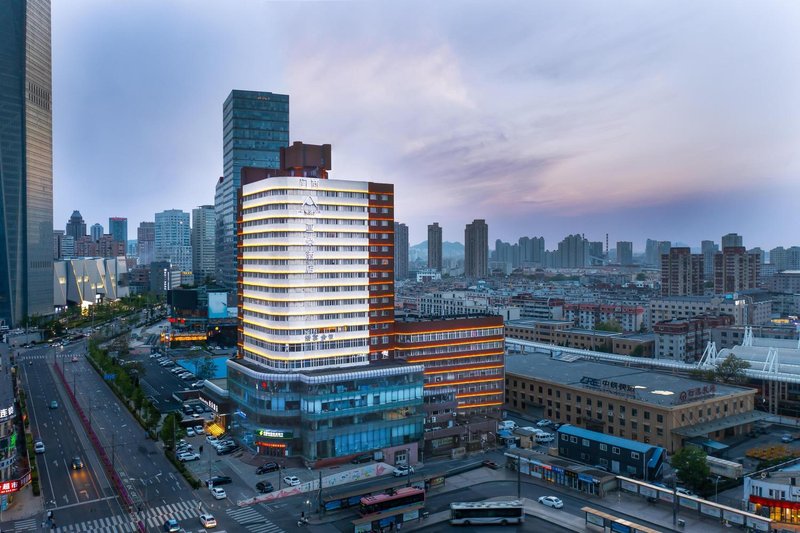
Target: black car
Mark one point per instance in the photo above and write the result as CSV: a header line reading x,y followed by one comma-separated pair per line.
x,y
363,458
216,481
266,468
264,487
77,463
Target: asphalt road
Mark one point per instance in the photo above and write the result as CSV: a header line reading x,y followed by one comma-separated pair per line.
x,y
72,494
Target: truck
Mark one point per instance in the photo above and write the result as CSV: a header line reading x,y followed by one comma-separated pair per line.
x,y
724,468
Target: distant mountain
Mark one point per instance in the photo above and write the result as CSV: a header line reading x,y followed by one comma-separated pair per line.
x,y
449,249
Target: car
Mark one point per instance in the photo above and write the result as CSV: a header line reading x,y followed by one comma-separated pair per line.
x,y
190,432
207,520
38,446
786,438
198,409
685,492
218,480
291,481
211,439
363,458
198,430
53,404
198,384
225,443
551,501
490,464
77,463
171,525
227,450
402,470
154,355
218,493
264,487
188,456
74,359
544,422
266,468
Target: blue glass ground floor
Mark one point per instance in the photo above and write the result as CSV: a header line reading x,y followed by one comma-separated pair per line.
x,y
322,415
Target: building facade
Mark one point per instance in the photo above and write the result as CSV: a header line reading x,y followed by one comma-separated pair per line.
x,y
476,249
173,239
85,282
76,227
624,252
26,161
118,229
682,273
685,340
96,231
590,315
400,251
735,270
662,409
255,126
435,246
203,242
146,242
314,377
708,249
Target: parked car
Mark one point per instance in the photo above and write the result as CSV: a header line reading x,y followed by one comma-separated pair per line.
x,y
207,520
491,464
551,501
198,384
211,439
198,430
786,438
38,447
190,432
218,480
291,481
264,487
227,450
402,470
185,457
544,422
363,458
685,492
266,468
218,493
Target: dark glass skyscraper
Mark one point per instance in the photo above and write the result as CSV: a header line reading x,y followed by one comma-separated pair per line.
x,y
26,161
255,128
118,228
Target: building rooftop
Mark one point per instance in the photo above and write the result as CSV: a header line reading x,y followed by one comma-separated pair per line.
x,y
627,444
532,322
644,385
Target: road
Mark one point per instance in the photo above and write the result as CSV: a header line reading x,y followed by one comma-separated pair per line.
x,y
71,493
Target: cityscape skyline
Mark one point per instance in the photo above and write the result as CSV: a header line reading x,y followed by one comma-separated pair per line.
x,y
647,118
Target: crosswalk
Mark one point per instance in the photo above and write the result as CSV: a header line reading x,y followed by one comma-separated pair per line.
x,y
182,510
252,521
63,355
26,525
153,517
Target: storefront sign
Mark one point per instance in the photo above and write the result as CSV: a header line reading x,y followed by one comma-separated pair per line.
x,y
214,407
605,385
558,469
697,393
437,481
758,525
587,479
735,518
594,519
274,434
631,487
7,487
6,413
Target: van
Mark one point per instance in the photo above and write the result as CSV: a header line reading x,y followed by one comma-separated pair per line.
x,y
507,425
543,438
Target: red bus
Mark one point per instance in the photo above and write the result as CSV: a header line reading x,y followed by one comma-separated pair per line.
x,y
393,500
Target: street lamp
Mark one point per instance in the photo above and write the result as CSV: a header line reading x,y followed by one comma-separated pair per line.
x,y
716,488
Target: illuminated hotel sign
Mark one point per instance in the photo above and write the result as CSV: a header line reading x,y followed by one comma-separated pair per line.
x,y
274,434
614,387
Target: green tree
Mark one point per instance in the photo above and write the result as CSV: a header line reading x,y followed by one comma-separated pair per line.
x,y
138,398
611,325
732,370
641,276
690,464
171,430
638,351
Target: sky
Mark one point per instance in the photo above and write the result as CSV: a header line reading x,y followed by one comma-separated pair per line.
x,y
672,120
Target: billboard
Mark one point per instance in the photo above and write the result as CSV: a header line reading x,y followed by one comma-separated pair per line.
x,y
217,305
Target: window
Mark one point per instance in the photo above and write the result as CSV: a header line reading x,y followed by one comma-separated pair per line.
x,y
634,455
573,439
647,415
564,437
603,447
660,418
585,442
634,412
615,450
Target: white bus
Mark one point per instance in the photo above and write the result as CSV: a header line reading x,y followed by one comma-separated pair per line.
x,y
502,513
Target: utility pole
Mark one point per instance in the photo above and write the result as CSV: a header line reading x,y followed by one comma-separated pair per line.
x,y
113,449
319,495
519,477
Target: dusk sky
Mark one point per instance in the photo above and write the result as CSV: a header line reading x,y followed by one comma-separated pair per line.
x,y
669,120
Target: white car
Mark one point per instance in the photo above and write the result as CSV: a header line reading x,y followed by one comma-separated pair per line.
x,y
402,470
198,430
292,481
38,447
211,439
190,432
207,520
544,422
188,456
218,493
551,501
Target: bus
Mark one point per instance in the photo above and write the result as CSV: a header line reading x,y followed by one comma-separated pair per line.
x,y
502,513
392,500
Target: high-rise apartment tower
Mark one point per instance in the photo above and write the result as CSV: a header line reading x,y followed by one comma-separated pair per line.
x,y
435,246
